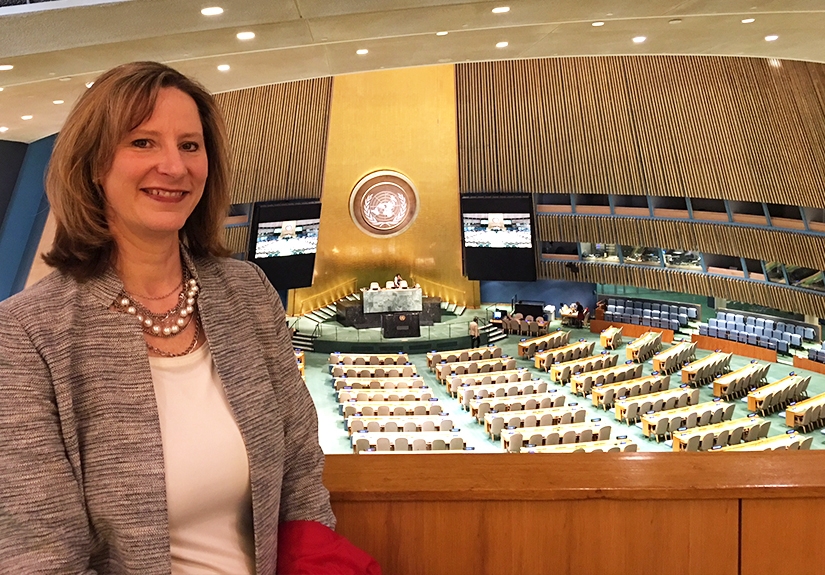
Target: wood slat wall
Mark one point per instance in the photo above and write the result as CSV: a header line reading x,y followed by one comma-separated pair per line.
x,y
237,239
708,127
788,247
769,295
278,135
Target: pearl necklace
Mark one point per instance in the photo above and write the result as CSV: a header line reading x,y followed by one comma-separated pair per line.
x,y
171,322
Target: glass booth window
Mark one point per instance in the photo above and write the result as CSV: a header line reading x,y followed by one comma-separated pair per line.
x,y
599,252
683,260
805,277
774,270
640,255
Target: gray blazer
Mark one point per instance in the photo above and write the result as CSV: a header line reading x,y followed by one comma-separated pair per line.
x,y
82,486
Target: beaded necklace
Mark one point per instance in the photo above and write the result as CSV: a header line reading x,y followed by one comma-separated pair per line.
x,y
171,322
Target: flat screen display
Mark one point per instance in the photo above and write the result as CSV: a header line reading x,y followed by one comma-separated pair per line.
x,y
497,235
287,238
497,230
283,239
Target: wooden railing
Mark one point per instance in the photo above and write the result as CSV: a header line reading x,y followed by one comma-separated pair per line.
x,y
549,514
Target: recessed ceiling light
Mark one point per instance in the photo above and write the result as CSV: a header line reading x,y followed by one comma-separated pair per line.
x,y
26,117
6,67
57,102
90,84
362,51
3,129
441,33
223,67
245,35
502,44
639,39
501,10
748,20
675,21
65,79
212,11
1,88
597,24
771,38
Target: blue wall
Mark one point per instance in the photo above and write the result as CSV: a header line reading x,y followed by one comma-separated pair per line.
x,y
25,217
547,291
11,160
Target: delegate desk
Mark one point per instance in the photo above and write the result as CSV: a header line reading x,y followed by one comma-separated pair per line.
x,y
377,383
780,442
795,413
429,437
512,375
415,394
351,408
556,433
472,354
611,337
445,370
564,354
374,371
507,402
722,385
661,358
619,372
681,438
719,358
338,358
757,396
441,422
609,446
634,349
550,341
649,420
560,372
598,392
665,394
553,414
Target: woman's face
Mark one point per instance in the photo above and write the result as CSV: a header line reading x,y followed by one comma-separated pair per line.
x,y
158,171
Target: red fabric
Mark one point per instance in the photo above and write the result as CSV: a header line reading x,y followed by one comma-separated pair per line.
x,y
311,548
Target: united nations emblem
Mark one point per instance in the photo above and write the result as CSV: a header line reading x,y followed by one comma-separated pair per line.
x,y
383,203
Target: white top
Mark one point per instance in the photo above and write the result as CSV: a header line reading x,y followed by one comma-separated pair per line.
x,y
207,472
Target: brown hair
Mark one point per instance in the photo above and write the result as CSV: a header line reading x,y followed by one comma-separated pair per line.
x,y
118,102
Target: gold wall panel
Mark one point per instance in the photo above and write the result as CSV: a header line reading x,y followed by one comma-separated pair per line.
x,y
403,120
237,239
708,127
769,295
277,134
788,247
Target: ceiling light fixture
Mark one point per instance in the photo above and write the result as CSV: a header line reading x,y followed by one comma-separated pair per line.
x,y
245,35
771,38
748,20
212,11
3,129
675,21
639,39
26,117
57,102
5,67
362,51
223,67
502,44
597,24
501,10
1,88
441,33
90,84
65,79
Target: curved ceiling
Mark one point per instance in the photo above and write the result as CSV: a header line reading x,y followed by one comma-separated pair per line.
x,y
54,52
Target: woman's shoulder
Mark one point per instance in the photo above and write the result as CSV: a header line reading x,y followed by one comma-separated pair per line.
x,y
50,293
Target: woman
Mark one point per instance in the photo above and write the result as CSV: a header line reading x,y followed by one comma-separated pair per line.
x,y
152,418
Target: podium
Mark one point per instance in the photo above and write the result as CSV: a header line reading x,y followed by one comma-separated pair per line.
x,y
400,324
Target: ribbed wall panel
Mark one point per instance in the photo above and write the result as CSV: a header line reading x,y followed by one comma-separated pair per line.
x,y
792,248
707,127
237,239
768,295
278,135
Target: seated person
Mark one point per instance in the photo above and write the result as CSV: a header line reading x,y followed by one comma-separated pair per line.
x,y
396,282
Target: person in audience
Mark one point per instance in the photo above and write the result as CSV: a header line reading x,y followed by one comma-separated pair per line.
x,y
396,282
475,334
152,417
579,308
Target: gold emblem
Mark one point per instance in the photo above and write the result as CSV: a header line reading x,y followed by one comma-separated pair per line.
x,y
383,203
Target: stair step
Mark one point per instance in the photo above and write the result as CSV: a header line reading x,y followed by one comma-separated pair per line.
x,y
451,308
496,337
459,310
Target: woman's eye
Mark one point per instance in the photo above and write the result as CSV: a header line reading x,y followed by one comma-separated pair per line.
x,y
140,143
190,146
